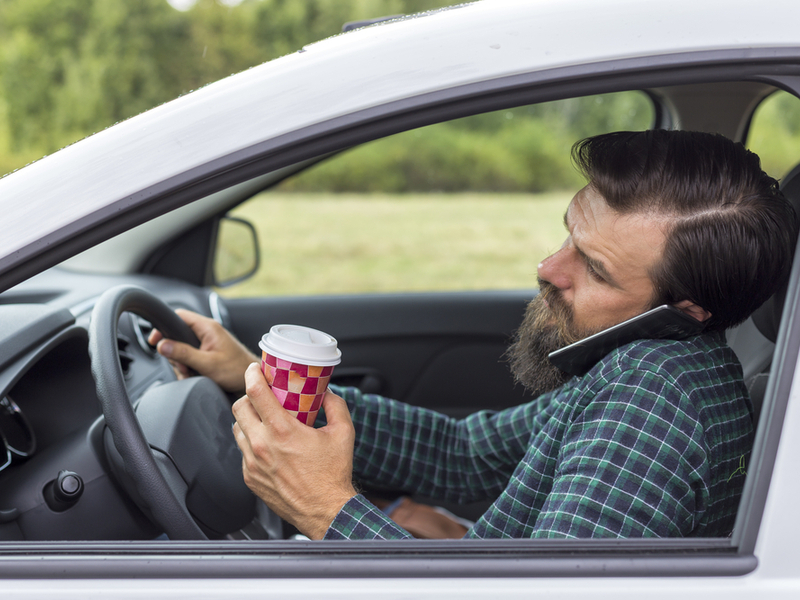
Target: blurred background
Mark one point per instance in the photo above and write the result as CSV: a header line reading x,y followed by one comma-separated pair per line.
x,y
69,68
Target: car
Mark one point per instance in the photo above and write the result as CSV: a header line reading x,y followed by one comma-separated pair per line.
x,y
99,241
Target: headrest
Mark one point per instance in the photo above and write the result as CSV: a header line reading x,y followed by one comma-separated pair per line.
x,y
767,317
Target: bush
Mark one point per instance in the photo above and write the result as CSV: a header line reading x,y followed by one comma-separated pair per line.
x,y
520,150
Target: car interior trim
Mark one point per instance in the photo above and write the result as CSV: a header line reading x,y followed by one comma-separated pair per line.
x,y
428,559
32,323
770,425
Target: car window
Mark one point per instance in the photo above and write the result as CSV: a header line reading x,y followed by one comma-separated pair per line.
x,y
470,204
775,133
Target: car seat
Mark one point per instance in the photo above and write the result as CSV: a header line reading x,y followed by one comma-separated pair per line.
x,y
754,340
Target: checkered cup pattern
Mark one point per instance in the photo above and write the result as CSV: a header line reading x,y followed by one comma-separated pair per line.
x,y
298,363
299,388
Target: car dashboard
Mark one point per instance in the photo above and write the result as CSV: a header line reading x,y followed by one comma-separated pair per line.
x,y
50,418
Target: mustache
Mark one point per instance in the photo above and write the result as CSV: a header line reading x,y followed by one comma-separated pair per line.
x,y
561,311
561,314
552,295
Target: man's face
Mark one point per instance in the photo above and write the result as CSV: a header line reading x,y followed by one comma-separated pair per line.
x,y
598,278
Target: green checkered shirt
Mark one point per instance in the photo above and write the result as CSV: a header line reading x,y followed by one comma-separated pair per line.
x,y
651,442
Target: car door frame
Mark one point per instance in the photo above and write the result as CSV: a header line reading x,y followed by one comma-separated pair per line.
x,y
719,557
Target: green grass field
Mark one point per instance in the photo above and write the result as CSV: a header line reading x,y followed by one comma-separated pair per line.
x,y
349,243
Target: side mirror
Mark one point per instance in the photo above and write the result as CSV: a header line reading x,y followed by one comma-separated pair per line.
x,y
236,255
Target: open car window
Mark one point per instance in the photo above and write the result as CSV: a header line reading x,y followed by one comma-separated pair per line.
x,y
774,133
470,204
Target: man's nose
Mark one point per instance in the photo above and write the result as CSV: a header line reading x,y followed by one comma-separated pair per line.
x,y
555,268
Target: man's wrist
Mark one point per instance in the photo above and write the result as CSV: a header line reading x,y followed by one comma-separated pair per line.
x,y
359,519
317,526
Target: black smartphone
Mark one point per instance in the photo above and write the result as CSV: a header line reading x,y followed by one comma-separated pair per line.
x,y
661,323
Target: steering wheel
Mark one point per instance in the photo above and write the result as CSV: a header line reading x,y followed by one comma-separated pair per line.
x,y
174,452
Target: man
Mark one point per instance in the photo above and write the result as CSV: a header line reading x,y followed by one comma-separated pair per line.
x,y
649,442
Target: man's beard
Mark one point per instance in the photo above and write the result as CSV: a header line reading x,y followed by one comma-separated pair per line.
x,y
548,326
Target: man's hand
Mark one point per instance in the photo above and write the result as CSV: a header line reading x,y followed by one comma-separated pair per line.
x,y
303,474
221,357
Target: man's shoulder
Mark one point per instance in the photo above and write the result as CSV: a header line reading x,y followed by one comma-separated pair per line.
x,y
701,357
690,375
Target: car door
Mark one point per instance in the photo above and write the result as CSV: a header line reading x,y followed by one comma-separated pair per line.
x,y
443,351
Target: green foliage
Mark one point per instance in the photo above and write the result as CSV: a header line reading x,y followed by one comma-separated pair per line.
x,y
521,150
775,133
69,68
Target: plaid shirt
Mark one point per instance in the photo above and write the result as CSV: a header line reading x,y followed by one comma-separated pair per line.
x,y
651,442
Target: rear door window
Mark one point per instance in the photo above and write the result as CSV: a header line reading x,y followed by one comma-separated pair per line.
x,y
775,133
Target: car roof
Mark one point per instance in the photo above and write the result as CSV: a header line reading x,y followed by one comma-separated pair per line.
x,y
152,162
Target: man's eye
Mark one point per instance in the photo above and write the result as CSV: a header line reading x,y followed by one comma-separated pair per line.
x,y
594,274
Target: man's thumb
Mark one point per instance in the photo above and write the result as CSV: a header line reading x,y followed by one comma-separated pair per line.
x,y
176,351
336,410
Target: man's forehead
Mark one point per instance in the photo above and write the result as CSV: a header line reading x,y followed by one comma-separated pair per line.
x,y
615,242
585,207
589,206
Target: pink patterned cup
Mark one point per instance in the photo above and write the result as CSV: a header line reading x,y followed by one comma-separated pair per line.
x,y
298,362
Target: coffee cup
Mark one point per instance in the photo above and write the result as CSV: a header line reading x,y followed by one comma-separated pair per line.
x,y
298,363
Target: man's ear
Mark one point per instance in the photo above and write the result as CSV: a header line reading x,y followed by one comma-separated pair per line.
x,y
693,310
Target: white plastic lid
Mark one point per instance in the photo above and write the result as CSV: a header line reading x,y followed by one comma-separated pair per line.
x,y
302,345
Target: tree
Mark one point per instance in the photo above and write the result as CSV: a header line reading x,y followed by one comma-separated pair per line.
x,y
69,68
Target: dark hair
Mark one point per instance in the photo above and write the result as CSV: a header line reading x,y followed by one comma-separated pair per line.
x,y
730,244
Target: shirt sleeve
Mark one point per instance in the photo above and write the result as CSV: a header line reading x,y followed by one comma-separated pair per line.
x,y
632,464
421,451
424,452
361,520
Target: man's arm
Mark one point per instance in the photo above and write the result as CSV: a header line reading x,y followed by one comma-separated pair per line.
x,y
359,519
474,459
305,474
626,461
419,451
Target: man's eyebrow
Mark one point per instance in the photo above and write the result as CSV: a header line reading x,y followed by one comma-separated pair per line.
x,y
598,266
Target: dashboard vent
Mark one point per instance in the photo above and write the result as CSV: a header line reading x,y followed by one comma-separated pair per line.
x,y
141,329
125,357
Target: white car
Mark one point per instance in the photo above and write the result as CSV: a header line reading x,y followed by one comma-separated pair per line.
x,y
142,204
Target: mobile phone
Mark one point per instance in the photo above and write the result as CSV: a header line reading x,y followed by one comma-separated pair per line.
x,y
664,322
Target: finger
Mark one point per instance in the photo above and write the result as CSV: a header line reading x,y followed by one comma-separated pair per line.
x,y
154,337
182,371
246,416
241,439
188,316
181,353
336,409
260,394
238,434
196,322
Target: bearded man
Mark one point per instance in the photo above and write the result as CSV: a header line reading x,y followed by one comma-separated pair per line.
x,y
649,442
